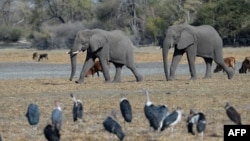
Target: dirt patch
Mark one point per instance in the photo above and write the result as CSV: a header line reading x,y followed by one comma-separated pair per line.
x,y
206,95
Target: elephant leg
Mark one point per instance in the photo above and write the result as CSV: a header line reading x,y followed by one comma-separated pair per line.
x,y
137,75
105,69
191,62
118,69
175,61
228,70
208,62
86,67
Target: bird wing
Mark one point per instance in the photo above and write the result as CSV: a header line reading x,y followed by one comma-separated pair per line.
x,y
233,115
201,126
79,110
155,115
190,128
126,110
33,114
56,118
112,126
170,120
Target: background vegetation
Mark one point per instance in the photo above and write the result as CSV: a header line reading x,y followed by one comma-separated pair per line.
x,y
51,24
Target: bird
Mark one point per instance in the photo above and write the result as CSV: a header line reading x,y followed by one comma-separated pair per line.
x,y
199,120
33,115
172,119
154,114
56,116
125,108
77,110
51,133
112,126
233,115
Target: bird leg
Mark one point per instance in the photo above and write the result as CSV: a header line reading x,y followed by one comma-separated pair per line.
x,y
172,130
125,129
202,134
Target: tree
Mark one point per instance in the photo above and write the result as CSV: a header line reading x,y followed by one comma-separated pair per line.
x,y
227,16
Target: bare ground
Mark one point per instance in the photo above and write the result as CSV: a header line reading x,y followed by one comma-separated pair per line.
x,y
206,95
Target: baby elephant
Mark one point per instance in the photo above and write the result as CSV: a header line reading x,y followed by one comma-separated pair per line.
x,y
245,65
96,68
43,56
229,61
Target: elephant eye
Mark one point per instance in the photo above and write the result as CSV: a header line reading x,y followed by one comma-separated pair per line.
x,y
83,42
174,37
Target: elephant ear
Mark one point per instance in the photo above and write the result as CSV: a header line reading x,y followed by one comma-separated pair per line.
x,y
97,41
186,39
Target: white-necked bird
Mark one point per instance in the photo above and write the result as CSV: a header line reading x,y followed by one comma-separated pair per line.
x,y
154,114
172,119
51,133
199,120
112,126
56,117
233,115
77,110
125,108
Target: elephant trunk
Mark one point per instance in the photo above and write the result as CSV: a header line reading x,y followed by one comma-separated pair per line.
x,y
166,46
73,59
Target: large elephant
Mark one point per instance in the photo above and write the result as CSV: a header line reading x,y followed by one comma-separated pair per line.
x,y
109,46
202,41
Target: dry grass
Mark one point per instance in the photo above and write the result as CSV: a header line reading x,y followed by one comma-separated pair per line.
x,y
206,95
143,54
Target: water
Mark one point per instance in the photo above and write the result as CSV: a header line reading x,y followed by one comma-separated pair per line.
x,y
44,70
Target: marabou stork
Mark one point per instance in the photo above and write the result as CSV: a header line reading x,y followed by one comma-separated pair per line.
x,y
172,119
33,115
112,126
154,114
56,117
199,120
77,109
125,108
233,115
51,133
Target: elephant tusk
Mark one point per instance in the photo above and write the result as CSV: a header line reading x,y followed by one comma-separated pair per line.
x,y
75,52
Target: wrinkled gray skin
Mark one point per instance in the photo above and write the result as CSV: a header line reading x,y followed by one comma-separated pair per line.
x,y
202,41
108,46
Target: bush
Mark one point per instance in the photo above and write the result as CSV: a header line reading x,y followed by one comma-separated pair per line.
x,y
9,34
56,37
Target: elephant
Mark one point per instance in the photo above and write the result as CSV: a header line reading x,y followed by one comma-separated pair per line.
x,y
201,41
108,46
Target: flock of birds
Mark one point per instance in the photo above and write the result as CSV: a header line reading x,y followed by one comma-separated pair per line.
x,y
158,116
